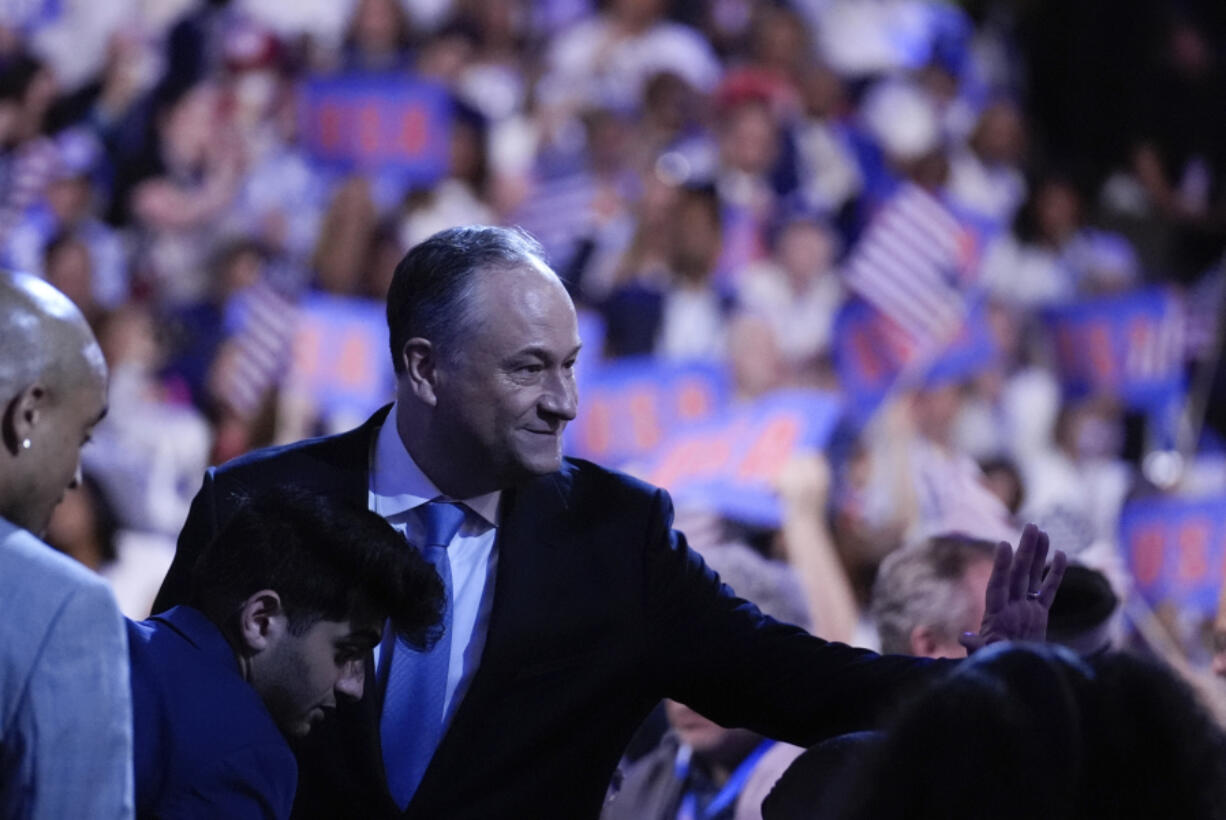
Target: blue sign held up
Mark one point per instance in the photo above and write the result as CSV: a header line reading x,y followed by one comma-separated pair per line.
x,y
731,464
1129,346
1175,549
628,408
390,124
340,353
871,354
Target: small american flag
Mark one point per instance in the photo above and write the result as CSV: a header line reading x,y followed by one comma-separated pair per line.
x,y
911,265
559,213
258,351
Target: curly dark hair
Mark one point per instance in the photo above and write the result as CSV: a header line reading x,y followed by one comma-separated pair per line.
x,y
327,561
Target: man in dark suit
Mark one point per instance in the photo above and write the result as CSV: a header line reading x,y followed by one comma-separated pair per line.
x,y
288,600
574,605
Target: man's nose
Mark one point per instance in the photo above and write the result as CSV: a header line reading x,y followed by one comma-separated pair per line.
x,y
352,680
560,398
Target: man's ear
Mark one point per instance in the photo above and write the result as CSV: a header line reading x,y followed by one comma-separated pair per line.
x,y
261,621
924,641
21,416
421,369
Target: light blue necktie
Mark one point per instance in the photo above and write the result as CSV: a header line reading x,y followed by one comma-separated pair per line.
x,y
412,722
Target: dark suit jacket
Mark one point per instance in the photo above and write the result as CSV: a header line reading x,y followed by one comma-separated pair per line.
x,y
600,610
205,745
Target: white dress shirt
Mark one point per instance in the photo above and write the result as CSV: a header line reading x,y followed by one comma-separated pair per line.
x,y
397,487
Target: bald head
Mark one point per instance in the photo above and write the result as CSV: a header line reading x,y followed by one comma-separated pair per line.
x,y
46,338
52,393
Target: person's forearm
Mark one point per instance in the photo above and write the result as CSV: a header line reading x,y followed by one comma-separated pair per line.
x,y
810,548
811,552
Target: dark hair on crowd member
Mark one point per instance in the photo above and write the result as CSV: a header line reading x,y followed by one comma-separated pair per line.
x,y
1032,730
431,285
17,74
326,560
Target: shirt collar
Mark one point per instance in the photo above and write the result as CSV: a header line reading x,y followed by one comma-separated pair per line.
x,y
196,627
398,485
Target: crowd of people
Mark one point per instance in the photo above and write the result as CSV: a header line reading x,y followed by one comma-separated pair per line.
x,y
712,180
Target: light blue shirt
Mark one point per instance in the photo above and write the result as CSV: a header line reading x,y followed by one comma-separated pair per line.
x,y
397,487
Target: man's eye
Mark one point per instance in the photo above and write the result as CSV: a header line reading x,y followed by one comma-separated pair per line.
x,y
531,368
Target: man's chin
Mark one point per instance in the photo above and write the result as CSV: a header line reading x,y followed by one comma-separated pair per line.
x,y
543,466
532,465
302,727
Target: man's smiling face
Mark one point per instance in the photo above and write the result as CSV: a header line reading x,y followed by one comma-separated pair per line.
x,y
507,390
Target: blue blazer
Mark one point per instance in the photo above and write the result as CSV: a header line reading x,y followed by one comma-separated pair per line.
x,y
600,610
205,745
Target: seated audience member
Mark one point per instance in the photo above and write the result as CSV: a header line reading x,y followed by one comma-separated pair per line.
x,y
65,712
1004,480
1026,731
701,769
798,294
287,602
926,596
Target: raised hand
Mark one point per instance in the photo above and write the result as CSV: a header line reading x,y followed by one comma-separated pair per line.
x,y
1018,596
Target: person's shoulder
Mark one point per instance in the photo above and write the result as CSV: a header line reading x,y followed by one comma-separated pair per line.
x,y
51,607
584,488
580,475
183,670
349,448
31,565
183,644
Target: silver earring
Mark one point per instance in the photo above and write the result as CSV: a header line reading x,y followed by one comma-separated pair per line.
x,y
25,444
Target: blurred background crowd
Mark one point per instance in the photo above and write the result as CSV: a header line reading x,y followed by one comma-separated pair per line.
x,y
715,180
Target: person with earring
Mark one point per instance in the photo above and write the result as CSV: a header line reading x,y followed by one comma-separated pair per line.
x,y
65,706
